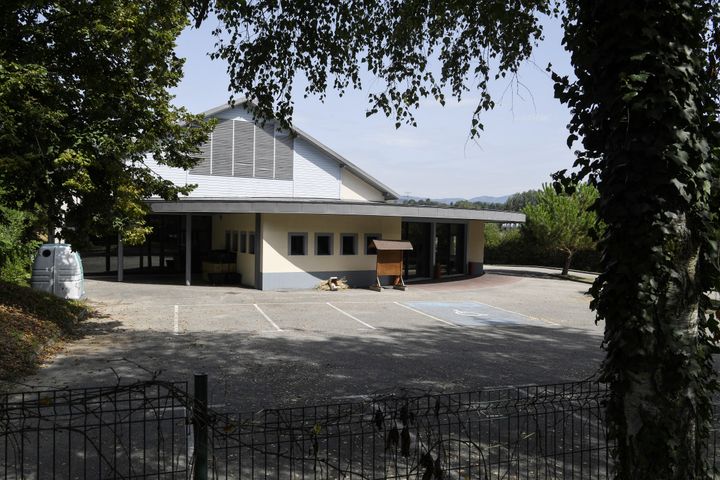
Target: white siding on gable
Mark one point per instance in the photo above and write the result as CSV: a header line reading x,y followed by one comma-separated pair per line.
x,y
222,187
315,174
353,188
253,162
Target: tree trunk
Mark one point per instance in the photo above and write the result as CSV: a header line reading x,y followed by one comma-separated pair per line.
x,y
566,266
651,136
657,396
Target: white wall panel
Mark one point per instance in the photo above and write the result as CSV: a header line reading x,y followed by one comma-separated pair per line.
x,y
211,186
316,174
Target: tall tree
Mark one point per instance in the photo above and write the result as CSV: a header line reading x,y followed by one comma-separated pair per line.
x,y
563,221
645,104
83,100
645,107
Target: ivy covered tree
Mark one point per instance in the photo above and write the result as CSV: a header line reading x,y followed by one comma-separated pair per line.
x,y
563,221
83,100
645,108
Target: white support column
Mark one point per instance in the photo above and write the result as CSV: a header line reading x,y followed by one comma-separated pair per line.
x,y
120,259
188,248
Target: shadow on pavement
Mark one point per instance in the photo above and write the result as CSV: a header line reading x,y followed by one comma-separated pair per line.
x,y
248,371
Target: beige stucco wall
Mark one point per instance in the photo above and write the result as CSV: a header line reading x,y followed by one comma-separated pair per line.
x,y
352,188
275,241
476,241
241,222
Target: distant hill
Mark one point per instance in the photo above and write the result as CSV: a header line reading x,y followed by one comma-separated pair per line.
x,y
487,199
484,199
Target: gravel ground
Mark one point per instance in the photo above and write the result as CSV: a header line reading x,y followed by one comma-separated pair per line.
x,y
265,349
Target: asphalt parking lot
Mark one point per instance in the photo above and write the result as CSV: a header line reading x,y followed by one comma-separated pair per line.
x,y
265,349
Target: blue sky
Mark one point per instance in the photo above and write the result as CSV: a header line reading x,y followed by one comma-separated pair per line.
x,y
523,142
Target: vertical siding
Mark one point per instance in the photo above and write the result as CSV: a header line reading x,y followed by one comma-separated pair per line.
x,y
283,156
264,151
315,174
211,186
203,167
222,149
244,144
249,161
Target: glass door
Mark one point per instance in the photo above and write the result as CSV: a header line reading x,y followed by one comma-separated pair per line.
x,y
416,262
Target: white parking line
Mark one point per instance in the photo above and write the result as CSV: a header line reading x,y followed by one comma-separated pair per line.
x,y
426,314
348,315
176,321
278,329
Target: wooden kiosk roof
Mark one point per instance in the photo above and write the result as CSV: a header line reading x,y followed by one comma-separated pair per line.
x,y
384,245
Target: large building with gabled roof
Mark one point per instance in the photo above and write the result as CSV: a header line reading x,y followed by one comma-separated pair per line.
x,y
282,211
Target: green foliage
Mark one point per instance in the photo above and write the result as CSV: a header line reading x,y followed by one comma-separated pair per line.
x,y
645,108
83,101
493,235
518,201
514,246
563,221
269,44
16,249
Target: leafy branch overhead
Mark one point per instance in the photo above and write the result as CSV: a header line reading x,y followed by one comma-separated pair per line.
x,y
417,49
83,104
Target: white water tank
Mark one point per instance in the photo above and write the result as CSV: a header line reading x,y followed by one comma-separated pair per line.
x,y
58,270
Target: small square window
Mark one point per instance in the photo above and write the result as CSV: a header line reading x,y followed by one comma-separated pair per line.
x,y
251,243
348,244
323,244
369,248
243,242
297,243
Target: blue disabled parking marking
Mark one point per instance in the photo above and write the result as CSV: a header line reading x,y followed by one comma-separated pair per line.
x,y
471,314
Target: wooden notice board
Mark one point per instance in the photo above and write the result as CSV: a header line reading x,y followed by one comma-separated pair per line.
x,y
390,261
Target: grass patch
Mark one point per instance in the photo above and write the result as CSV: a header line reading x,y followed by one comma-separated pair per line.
x,y
32,325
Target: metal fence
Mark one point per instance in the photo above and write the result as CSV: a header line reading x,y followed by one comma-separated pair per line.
x,y
158,430
135,431
549,431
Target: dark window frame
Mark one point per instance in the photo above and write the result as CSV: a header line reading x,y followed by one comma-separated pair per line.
x,y
343,236
304,236
331,237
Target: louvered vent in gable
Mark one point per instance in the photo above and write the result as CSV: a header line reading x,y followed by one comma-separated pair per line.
x,y
283,155
264,152
244,146
222,149
203,166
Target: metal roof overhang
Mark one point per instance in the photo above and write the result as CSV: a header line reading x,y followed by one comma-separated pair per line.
x,y
321,207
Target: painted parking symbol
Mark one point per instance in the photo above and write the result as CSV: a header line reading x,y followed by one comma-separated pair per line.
x,y
471,314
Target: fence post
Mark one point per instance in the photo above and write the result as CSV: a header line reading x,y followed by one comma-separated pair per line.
x,y
200,424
